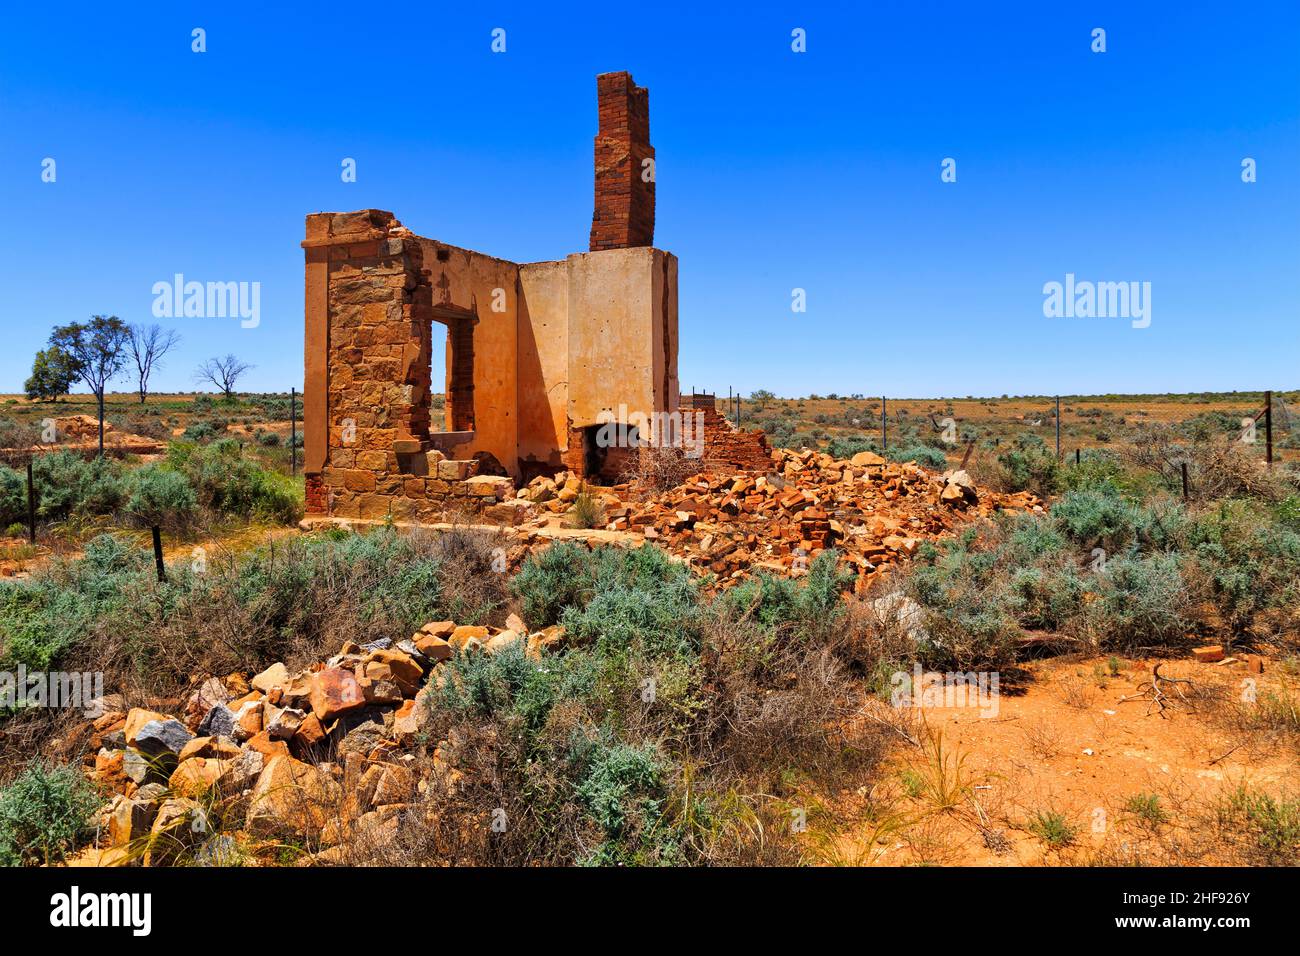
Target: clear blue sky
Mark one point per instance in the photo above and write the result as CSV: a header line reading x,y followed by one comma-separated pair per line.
x,y
776,170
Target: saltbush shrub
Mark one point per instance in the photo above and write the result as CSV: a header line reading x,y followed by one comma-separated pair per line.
x,y
45,813
161,497
923,455
227,483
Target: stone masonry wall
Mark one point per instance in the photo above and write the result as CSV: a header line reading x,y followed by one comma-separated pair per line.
x,y
378,303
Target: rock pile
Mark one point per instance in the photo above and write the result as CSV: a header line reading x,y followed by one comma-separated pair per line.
x,y
873,511
305,755
80,433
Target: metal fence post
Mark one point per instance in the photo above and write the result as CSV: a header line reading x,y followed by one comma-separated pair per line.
x,y
31,504
1268,427
158,555
1058,427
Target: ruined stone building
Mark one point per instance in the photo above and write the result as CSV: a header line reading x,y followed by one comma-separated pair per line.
x,y
535,351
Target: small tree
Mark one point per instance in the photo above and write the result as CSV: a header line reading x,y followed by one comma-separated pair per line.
x,y
148,345
53,373
99,349
224,373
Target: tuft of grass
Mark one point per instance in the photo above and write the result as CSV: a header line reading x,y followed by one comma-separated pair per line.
x,y
587,511
1146,808
1265,829
1053,828
945,782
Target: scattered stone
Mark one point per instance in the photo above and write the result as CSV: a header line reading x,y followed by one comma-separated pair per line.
x,y
291,797
208,695
285,723
434,648
277,675
220,747
219,722
463,636
499,642
162,736
335,691
179,824
394,666
1208,654
137,718
195,776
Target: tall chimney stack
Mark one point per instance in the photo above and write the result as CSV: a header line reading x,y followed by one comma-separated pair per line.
x,y
624,215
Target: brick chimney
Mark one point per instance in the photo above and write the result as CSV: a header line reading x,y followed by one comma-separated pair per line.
x,y
625,191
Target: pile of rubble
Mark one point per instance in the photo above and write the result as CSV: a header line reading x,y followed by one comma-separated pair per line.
x,y
874,512
80,433
314,756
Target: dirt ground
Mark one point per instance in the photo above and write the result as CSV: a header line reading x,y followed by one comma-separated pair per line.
x,y
1062,741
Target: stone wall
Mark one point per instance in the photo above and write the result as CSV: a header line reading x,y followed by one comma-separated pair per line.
x,y
536,353
373,321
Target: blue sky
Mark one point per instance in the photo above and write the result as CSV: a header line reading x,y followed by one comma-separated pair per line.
x,y
775,171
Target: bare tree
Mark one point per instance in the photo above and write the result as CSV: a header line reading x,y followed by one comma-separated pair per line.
x,y
224,373
148,345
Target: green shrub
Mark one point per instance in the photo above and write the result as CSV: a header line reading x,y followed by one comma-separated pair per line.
x,y
1053,828
923,455
804,607
638,597
13,496
1146,808
1143,602
227,483
1029,466
624,790
548,582
203,431
1047,598
1246,564
1101,470
1266,828
161,497
44,814
845,448
1104,519
289,597
40,619
502,683
68,485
